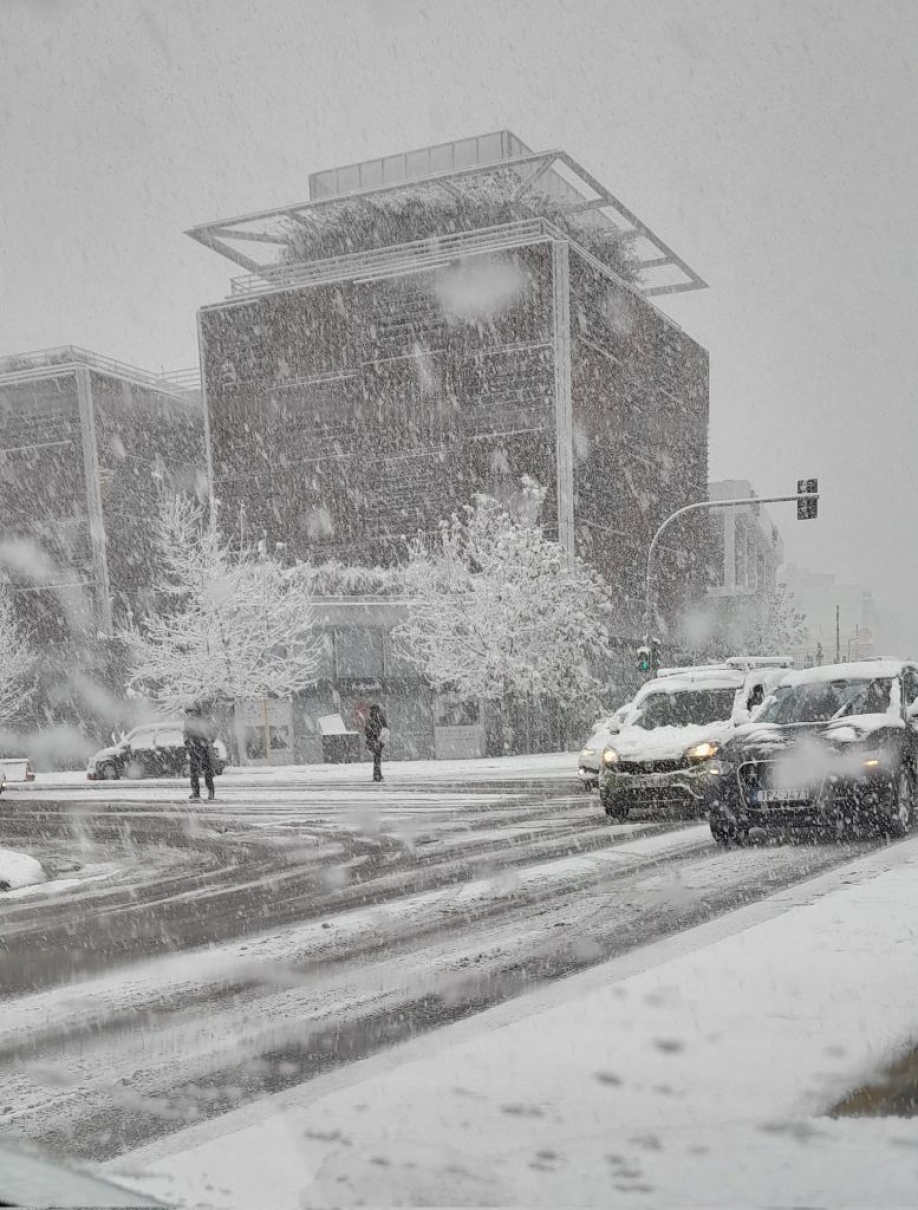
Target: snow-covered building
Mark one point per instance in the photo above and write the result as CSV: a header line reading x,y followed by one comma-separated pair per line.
x,y
437,323
85,444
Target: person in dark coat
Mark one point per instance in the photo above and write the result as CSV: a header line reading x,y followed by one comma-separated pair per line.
x,y
199,733
376,733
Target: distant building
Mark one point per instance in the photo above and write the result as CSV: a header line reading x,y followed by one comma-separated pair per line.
x,y
439,323
85,445
748,549
746,552
837,614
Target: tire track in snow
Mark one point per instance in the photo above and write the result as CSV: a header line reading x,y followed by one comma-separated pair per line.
x,y
127,1086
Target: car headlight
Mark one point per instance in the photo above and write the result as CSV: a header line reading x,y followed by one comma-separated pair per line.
x,y
587,751
716,768
700,752
609,756
874,764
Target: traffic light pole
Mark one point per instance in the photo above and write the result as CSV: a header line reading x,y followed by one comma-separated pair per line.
x,y
691,508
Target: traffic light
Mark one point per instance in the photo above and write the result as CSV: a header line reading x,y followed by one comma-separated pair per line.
x,y
808,507
648,658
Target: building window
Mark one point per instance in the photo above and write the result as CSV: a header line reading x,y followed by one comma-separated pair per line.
x,y
360,653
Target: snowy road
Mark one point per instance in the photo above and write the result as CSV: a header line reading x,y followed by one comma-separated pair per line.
x,y
336,920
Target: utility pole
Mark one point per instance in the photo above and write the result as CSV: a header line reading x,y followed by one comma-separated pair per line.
x,y
837,636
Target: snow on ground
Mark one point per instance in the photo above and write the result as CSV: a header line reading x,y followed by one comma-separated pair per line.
x,y
263,956
18,870
694,1072
100,872
539,766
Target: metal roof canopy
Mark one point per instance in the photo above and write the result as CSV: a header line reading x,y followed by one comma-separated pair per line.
x,y
548,184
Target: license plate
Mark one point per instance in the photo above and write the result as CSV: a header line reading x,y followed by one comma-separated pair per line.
x,y
639,781
778,796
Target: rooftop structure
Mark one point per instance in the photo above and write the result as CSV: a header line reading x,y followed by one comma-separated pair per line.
x,y
180,383
419,203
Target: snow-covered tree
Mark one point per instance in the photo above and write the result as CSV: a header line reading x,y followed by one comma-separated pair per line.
x,y
777,627
226,626
17,662
496,609
766,623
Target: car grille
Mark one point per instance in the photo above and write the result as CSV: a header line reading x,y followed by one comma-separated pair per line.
x,y
650,766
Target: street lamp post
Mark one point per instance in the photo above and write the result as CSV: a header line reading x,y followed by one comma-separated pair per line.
x,y
804,512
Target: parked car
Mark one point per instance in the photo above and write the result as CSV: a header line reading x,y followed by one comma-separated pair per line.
x,y
154,750
675,724
600,737
15,769
834,746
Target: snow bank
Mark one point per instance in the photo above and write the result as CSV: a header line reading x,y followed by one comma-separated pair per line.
x,y
696,1072
18,870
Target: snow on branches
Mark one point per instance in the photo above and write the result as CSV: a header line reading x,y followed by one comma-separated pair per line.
x,y
494,608
227,626
17,662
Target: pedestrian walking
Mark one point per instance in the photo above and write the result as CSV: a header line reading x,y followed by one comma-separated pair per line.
x,y
376,733
199,733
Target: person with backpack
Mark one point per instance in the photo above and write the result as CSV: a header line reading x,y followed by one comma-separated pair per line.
x,y
376,733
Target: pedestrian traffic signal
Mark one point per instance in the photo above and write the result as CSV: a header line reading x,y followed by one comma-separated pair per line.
x,y
648,658
807,499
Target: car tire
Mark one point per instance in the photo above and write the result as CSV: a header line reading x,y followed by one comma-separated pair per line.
x,y
109,771
614,808
901,808
727,834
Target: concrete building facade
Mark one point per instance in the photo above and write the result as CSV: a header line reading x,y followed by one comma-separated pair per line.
x,y
746,553
86,444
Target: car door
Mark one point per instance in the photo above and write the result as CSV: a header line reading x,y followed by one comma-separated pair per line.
x,y
140,758
171,747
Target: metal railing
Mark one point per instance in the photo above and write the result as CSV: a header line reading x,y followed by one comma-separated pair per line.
x,y
386,262
174,381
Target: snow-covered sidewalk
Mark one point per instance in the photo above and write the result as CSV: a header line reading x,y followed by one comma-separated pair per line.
x,y
694,1072
539,766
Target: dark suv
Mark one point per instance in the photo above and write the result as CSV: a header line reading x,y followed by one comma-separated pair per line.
x,y
834,746
155,750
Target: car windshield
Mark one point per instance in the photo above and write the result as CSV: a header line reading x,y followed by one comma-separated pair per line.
x,y
820,701
686,708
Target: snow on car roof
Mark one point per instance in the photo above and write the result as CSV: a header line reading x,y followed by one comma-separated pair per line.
x,y
720,678
861,670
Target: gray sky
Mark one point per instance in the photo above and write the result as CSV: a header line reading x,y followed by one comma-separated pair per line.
x,y
772,145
